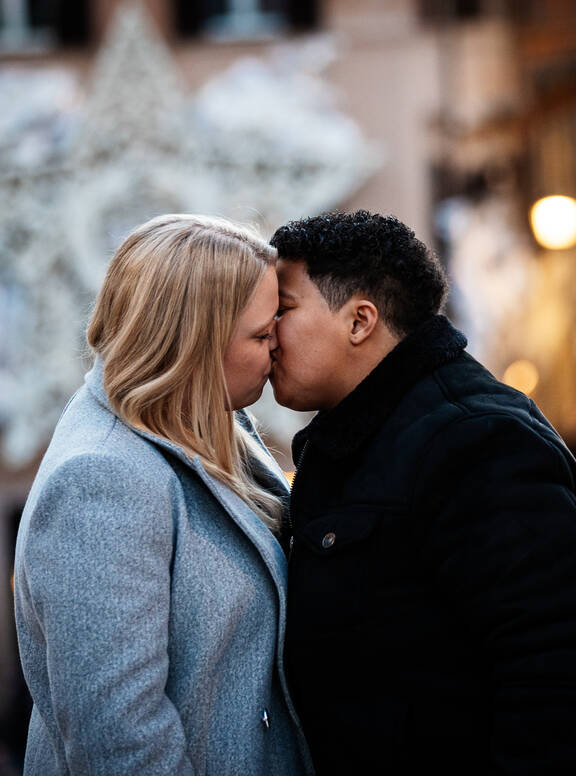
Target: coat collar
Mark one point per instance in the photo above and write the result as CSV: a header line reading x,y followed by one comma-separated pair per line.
x,y
341,431
268,547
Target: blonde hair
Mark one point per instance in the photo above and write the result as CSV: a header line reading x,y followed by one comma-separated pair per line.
x,y
162,322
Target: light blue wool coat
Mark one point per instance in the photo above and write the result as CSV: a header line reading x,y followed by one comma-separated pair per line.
x,y
150,605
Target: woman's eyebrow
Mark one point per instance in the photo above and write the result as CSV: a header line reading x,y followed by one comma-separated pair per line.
x,y
264,326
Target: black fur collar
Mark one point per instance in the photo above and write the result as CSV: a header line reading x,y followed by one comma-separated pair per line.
x,y
341,431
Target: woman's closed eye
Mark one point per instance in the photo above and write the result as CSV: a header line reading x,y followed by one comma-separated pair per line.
x,y
268,332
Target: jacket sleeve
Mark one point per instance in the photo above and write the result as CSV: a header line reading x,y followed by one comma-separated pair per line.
x,y
97,560
502,547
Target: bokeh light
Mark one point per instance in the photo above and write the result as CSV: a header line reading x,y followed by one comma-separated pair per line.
x,y
553,221
522,375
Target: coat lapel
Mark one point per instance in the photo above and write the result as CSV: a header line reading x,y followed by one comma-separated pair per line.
x,y
260,536
254,529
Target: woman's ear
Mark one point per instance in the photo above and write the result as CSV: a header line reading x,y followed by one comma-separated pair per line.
x,y
364,317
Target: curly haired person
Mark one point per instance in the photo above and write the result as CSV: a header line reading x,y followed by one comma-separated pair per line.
x,y
432,578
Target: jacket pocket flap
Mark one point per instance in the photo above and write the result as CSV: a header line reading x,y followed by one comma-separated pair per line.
x,y
337,530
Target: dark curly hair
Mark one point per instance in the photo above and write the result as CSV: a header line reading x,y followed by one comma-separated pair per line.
x,y
378,256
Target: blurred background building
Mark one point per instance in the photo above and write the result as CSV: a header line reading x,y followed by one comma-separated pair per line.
x,y
455,115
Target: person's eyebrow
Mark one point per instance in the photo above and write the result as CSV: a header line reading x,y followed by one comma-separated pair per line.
x,y
264,326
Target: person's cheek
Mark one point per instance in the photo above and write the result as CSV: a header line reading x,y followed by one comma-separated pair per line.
x,y
285,330
279,327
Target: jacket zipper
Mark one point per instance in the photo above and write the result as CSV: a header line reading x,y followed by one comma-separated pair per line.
x,y
290,521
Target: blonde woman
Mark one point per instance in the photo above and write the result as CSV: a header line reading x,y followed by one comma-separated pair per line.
x,y
150,583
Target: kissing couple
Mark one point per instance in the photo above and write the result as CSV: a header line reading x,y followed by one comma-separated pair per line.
x,y
410,607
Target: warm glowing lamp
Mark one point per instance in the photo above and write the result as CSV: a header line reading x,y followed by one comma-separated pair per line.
x,y
522,375
553,221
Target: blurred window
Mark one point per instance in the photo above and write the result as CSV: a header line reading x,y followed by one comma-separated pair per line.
x,y
244,19
523,11
447,10
29,25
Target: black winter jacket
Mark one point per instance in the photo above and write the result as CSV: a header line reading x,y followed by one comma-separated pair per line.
x,y
432,580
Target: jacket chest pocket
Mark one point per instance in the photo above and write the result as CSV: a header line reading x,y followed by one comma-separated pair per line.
x,y
343,559
340,533
356,532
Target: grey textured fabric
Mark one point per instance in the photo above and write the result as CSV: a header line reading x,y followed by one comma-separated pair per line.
x,y
150,606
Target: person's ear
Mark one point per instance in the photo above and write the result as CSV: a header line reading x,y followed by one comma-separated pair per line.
x,y
364,317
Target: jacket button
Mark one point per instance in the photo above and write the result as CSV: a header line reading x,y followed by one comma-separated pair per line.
x,y
265,719
328,540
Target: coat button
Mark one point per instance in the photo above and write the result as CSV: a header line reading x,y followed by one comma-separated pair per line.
x,y
265,719
328,540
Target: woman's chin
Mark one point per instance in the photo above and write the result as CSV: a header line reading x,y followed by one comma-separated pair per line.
x,y
251,398
257,394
